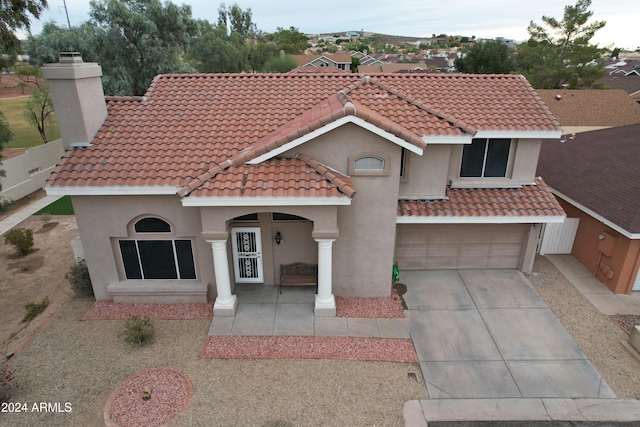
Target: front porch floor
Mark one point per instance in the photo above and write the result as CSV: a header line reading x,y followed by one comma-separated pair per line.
x,y
263,311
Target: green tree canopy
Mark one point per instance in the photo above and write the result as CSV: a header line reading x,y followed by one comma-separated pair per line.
x,y
5,136
14,15
280,64
45,47
138,39
557,52
217,52
488,57
291,40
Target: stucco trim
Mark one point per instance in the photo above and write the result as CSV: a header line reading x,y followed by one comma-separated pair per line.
x,y
478,219
334,125
265,201
523,134
599,217
453,139
124,190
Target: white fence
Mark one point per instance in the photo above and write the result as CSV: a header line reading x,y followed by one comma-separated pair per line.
x,y
558,238
29,172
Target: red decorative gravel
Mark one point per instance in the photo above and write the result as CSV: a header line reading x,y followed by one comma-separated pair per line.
x,y
170,393
109,310
337,348
384,307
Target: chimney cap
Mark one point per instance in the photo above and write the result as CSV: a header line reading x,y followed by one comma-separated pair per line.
x,y
70,57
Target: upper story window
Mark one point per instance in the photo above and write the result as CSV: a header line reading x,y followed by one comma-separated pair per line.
x,y
369,164
485,157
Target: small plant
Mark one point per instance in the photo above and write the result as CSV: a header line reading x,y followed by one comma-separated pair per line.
x,y
78,277
31,309
4,204
7,384
137,330
46,218
21,239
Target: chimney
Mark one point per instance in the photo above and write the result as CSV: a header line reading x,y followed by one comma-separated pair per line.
x,y
78,98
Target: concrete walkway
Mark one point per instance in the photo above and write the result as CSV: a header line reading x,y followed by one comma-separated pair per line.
x,y
594,290
263,311
19,216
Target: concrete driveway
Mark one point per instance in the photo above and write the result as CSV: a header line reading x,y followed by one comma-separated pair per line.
x,y
487,334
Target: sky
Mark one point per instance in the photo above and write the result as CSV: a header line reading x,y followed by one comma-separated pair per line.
x,y
419,18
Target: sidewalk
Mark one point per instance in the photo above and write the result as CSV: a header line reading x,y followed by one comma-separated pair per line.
x,y
594,290
19,216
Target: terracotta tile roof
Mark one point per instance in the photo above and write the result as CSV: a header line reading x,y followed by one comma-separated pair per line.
x,y
188,124
300,176
599,170
464,203
591,107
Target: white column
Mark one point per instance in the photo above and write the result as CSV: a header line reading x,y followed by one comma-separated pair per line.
x,y
226,304
325,301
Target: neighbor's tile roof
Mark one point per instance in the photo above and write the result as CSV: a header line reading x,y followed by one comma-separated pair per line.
x,y
188,125
591,107
599,170
528,201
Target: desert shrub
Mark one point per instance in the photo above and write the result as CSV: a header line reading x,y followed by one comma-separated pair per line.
x,y
46,217
137,330
32,309
20,238
4,204
78,277
7,384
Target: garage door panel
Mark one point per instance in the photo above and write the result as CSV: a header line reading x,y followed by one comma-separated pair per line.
x,y
447,246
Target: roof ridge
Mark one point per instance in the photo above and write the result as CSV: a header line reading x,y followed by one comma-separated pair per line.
x,y
336,178
124,98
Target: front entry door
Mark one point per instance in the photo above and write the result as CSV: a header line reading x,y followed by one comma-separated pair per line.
x,y
247,254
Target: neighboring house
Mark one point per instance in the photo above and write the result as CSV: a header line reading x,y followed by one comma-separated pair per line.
x,y
213,180
341,61
585,110
595,177
623,75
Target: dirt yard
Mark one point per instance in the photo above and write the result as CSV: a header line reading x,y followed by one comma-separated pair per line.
x,y
31,278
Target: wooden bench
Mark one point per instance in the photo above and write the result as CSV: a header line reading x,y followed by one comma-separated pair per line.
x,y
298,274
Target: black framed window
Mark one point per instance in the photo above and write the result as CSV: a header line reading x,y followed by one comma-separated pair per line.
x,y
283,217
157,259
485,158
152,225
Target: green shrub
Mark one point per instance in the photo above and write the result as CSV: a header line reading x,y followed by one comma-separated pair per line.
x,y
4,204
78,277
21,239
31,309
137,330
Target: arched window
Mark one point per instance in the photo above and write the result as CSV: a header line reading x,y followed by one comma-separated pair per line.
x,y
152,225
153,258
369,163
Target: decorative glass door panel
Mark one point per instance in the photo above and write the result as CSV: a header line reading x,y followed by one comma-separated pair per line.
x,y
247,254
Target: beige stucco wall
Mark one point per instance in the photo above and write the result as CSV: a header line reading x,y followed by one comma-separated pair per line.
x,y
426,175
363,252
102,220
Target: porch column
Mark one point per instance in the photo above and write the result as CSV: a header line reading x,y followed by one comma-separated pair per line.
x,y
226,304
325,302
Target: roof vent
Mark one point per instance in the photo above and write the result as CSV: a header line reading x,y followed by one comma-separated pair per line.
x,y
70,57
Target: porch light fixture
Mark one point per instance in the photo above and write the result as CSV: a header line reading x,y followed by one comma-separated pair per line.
x,y
278,238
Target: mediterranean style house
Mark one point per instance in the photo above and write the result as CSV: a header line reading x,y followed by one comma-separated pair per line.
x,y
214,180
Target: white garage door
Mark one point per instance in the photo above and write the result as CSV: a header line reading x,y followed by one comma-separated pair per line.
x,y
436,246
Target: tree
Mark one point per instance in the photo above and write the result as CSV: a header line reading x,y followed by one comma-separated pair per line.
x,y
489,57
557,52
217,52
291,41
45,47
38,111
280,64
14,15
138,39
235,20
